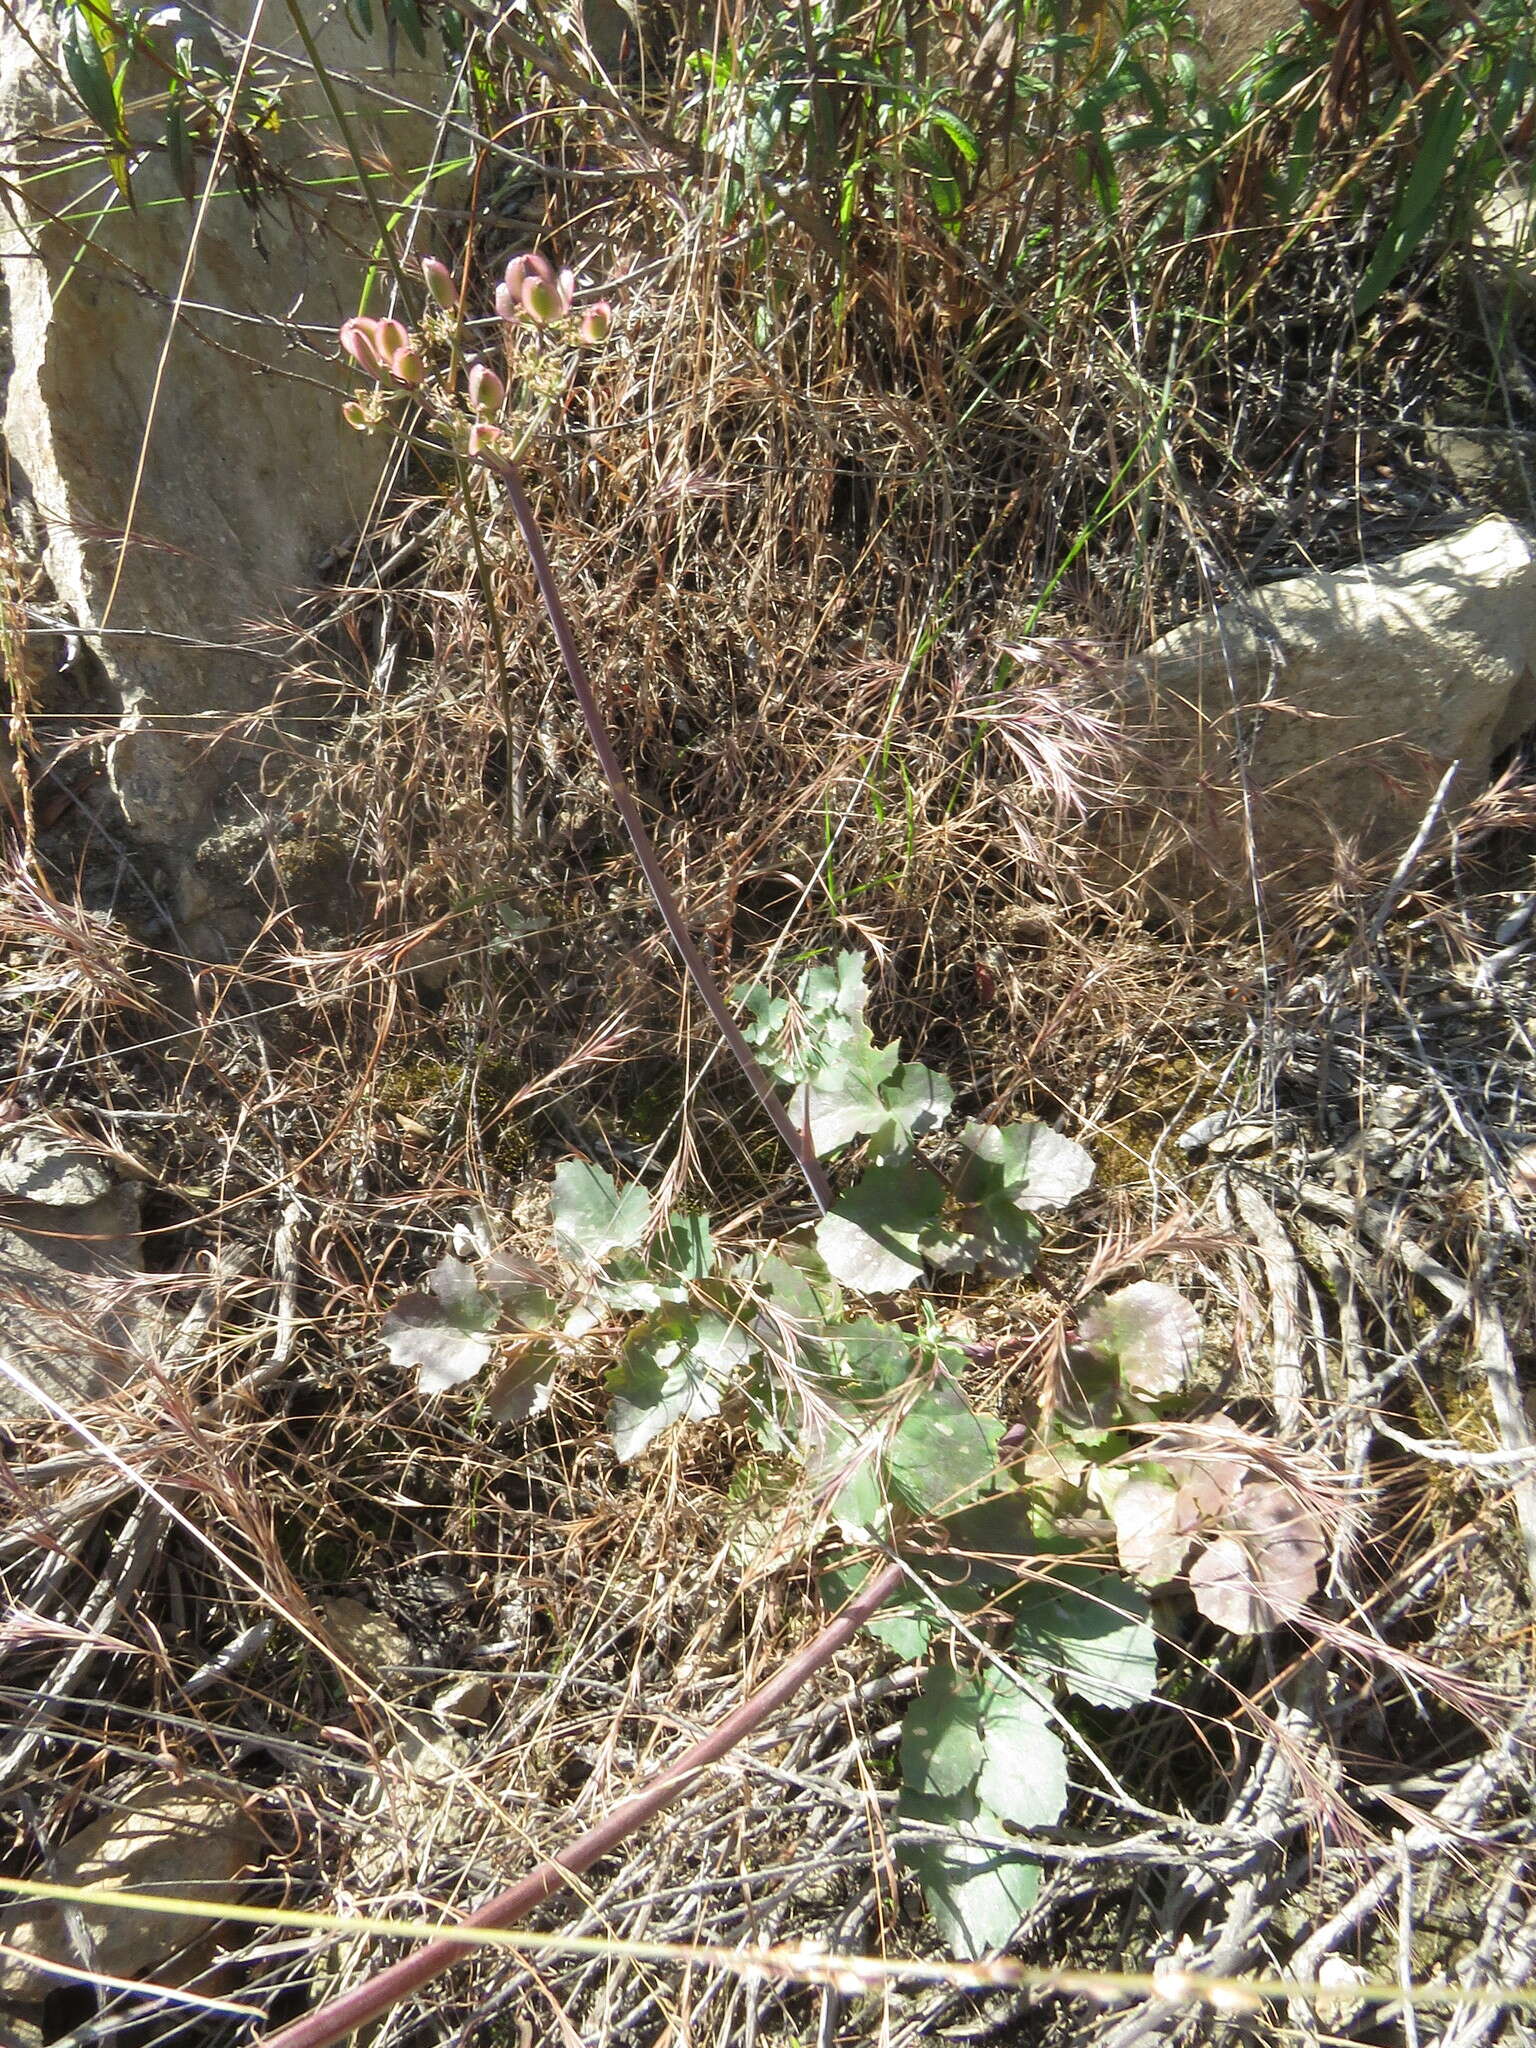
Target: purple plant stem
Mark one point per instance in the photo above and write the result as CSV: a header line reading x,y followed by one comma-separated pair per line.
x,y
698,968
371,1999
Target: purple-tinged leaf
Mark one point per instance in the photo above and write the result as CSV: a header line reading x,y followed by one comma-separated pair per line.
x,y
1150,1331
522,1388
1266,1570
1150,1533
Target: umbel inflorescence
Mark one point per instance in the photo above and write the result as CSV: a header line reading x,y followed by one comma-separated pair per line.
x,y
478,409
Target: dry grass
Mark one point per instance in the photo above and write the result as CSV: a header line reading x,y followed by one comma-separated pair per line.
x,y
854,549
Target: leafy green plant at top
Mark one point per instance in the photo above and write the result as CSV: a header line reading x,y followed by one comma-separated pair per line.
x,y
173,66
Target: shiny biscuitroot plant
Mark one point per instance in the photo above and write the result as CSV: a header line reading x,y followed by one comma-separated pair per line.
x,y
956,1547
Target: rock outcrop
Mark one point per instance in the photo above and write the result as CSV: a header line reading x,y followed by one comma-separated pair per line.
x,y
172,408
1323,711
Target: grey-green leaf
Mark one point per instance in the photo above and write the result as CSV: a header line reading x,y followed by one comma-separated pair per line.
x,y
593,1216
1023,1775
444,1334
977,1890
871,1238
841,1098
974,1751
1092,1629
675,1367
1036,1167
942,1751
917,1100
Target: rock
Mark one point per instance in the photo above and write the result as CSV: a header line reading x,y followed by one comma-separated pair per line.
x,y
467,1699
249,475
43,1166
1344,699
369,1642
69,1314
187,1839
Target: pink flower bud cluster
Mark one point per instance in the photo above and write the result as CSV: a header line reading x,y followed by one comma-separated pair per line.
x,y
383,348
533,289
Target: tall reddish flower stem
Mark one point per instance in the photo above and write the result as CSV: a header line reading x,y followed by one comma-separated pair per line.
x,y
699,971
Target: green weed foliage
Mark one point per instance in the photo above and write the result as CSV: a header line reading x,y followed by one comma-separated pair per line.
x,y
1057,119
830,1343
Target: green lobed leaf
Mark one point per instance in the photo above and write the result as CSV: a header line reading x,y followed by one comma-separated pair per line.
x,y
989,1542
976,1752
523,1386
843,1454
674,1368
832,998
593,1216
685,1248
1092,1630
917,1100
1029,1163
944,1454
866,1359
942,1748
840,1098
1007,1174
1024,1773
871,1238
904,1626
977,1891
525,1291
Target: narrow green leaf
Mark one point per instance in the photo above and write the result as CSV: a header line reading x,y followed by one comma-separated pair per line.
x,y
958,133
1447,119
89,76
408,16
178,146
